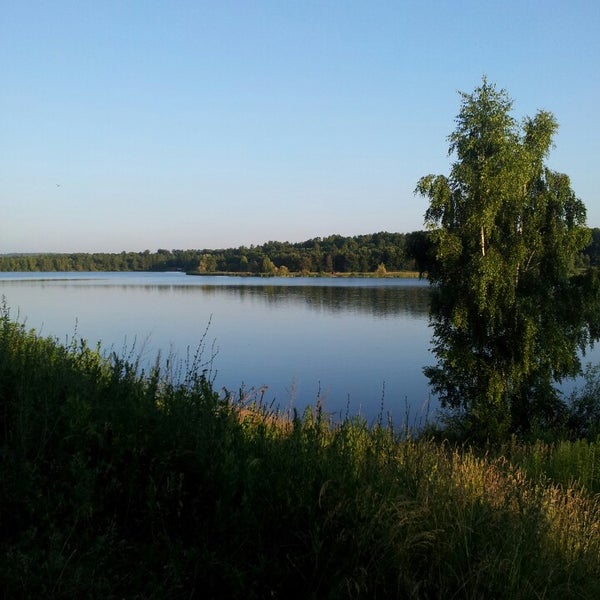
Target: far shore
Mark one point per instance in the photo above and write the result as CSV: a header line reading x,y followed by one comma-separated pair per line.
x,y
387,275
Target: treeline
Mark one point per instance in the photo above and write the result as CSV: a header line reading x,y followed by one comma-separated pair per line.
x,y
377,252
336,253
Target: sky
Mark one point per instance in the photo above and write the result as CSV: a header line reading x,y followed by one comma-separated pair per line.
x,y
134,125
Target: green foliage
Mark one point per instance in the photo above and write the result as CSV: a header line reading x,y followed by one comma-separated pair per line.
x,y
574,464
268,267
364,253
592,252
509,311
118,484
361,253
583,409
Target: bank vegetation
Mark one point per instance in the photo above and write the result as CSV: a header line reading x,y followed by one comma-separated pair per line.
x,y
123,484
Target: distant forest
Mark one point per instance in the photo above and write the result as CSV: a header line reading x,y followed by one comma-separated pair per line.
x,y
372,253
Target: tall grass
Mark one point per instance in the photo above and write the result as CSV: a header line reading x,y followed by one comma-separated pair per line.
x,y
117,484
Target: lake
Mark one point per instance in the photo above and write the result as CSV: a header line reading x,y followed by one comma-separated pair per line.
x,y
355,344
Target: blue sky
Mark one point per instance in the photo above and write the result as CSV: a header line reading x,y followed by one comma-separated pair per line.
x,y
146,124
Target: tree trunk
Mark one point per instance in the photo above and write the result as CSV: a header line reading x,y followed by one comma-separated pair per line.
x,y
482,241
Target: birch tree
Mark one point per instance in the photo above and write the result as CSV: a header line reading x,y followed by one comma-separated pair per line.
x,y
509,310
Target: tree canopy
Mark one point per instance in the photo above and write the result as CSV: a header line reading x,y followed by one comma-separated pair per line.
x,y
362,253
509,311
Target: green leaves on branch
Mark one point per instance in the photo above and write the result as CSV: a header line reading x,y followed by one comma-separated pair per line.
x,y
508,232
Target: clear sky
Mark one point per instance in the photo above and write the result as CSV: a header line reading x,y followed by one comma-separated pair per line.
x,y
133,125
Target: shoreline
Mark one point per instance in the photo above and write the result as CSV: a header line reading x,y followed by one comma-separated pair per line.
x,y
389,275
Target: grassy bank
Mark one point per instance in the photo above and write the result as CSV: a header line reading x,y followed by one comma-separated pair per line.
x,y
121,485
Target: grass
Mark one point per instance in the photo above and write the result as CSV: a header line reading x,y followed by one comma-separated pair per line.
x,y
117,484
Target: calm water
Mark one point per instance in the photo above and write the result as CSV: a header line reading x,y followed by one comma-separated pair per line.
x,y
353,341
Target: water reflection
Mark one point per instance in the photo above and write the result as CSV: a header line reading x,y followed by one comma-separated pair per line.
x,y
375,301
382,298
382,301
349,339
